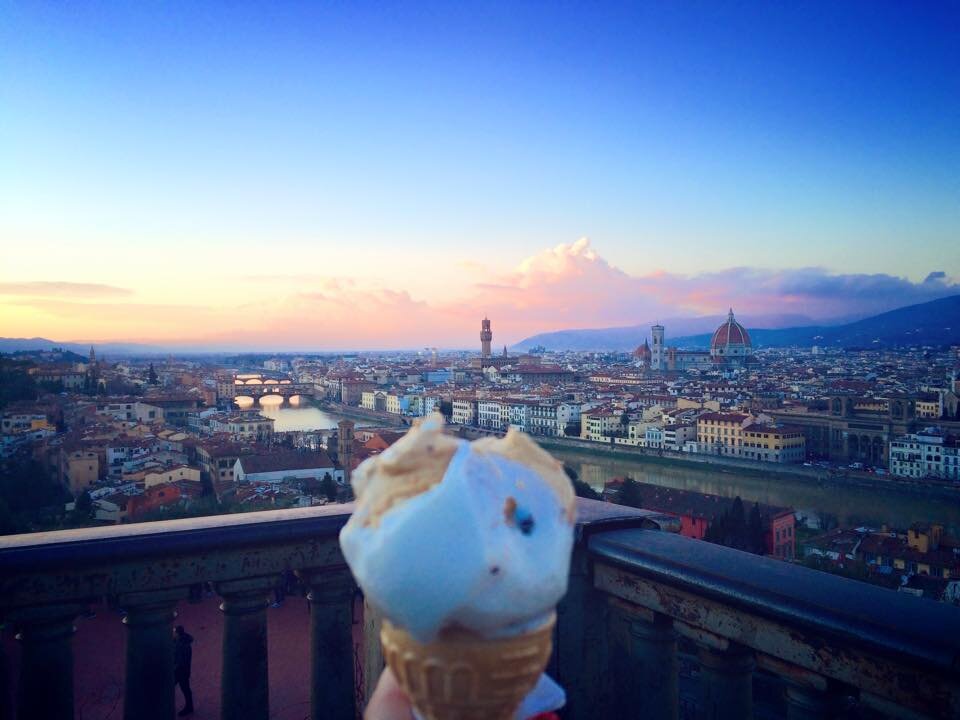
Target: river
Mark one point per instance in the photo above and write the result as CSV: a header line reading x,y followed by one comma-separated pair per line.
x,y
834,502
297,415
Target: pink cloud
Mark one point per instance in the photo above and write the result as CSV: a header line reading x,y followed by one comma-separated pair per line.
x,y
62,289
566,286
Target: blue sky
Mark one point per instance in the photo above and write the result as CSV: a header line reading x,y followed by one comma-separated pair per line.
x,y
396,143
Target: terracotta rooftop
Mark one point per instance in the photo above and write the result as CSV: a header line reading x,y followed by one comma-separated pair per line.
x,y
276,462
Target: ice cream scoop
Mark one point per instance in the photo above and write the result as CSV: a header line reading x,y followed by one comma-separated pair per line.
x,y
451,534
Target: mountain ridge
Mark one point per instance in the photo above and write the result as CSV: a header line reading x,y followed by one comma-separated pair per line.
x,y
936,322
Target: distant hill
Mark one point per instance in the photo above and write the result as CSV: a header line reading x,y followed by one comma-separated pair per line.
x,y
12,345
932,323
628,338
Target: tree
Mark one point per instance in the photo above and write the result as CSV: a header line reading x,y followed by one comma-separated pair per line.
x,y
27,488
152,376
572,429
581,488
734,529
585,491
756,543
10,524
630,493
446,409
328,487
82,508
15,381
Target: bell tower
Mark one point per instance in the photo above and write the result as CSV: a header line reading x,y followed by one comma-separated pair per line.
x,y
486,337
345,449
657,351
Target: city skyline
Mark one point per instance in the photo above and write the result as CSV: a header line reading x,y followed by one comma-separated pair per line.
x,y
358,178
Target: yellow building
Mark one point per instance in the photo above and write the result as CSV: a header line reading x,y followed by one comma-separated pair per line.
x,y
81,469
172,474
924,538
721,433
774,443
600,424
928,405
687,404
393,404
15,422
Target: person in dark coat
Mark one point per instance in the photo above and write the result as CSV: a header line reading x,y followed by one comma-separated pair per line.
x,y
182,657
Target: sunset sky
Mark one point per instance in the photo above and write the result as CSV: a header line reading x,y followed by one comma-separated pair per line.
x,y
313,176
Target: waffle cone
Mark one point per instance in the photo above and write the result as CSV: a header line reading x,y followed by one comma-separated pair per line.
x,y
462,676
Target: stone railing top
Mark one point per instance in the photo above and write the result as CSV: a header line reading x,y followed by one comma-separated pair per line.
x,y
854,612
33,551
38,552
596,514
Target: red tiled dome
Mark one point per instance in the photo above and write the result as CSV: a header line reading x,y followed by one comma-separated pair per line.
x,y
730,333
642,352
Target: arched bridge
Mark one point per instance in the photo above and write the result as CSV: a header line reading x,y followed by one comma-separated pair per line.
x,y
256,386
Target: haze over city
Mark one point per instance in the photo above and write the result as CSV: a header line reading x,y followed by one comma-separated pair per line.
x,y
303,177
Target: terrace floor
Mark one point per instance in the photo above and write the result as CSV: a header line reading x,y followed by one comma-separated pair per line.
x,y
99,661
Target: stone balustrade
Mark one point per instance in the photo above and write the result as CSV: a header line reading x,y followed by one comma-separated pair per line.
x,y
641,600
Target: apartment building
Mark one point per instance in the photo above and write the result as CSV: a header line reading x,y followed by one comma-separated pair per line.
x,y
721,433
928,453
464,410
774,443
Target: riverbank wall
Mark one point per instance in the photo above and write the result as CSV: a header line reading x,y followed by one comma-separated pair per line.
x,y
813,474
358,413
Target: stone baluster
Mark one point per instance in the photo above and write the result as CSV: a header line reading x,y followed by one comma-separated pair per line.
x,y
332,691
649,681
726,682
726,674
805,703
373,662
581,652
45,690
148,691
6,698
808,696
244,685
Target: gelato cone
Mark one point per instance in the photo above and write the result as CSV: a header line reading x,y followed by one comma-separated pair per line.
x,y
465,549
463,676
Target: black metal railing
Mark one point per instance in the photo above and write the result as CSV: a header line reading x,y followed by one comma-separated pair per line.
x,y
640,598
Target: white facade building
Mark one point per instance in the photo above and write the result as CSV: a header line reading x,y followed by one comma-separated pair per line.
x,y
488,414
925,454
464,411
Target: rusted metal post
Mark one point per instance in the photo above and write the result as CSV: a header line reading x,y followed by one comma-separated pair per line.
x,y
332,692
45,690
726,683
148,692
244,685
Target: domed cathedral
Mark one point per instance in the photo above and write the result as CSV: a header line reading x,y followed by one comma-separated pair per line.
x,y
643,354
731,345
730,348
